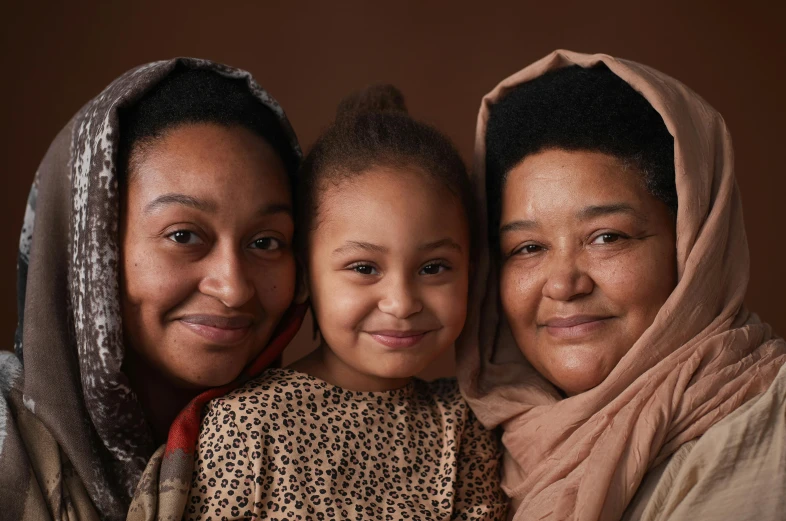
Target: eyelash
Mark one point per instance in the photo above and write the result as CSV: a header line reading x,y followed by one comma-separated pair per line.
x,y
440,264
171,236
616,235
192,234
357,265
280,243
520,251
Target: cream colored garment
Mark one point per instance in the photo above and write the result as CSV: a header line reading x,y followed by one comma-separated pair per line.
x,y
736,470
583,458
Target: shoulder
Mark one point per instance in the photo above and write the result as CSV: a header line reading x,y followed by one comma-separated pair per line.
x,y
271,385
275,391
445,396
738,458
444,392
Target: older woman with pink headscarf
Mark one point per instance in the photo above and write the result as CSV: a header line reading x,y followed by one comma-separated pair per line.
x,y
610,341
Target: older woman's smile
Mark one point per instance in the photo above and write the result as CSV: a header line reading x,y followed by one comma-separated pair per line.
x,y
574,326
594,261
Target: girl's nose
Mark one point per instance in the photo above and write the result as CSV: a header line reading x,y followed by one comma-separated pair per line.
x,y
400,299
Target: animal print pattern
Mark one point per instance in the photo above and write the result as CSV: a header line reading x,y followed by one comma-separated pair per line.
x,y
289,446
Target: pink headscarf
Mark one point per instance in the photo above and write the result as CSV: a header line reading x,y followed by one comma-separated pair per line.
x,y
584,457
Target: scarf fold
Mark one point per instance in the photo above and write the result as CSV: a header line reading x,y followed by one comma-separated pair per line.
x,y
583,458
73,439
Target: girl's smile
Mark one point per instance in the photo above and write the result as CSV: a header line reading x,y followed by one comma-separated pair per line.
x,y
388,270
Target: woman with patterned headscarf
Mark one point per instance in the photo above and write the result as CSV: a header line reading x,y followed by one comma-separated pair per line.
x,y
155,272
610,340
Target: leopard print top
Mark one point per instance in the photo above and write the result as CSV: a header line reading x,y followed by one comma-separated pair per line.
x,y
289,446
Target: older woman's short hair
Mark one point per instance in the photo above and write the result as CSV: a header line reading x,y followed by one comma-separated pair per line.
x,y
577,108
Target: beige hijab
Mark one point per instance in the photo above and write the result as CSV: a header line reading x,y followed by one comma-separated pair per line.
x,y
583,458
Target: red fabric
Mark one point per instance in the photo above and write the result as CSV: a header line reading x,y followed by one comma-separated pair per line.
x,y
185,429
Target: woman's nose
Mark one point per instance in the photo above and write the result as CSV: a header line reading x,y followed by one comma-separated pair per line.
x,y
400,299
226,278
566,279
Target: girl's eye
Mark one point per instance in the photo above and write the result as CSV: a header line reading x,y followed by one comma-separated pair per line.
x,y
607,238
267,243
184,237
364,269
434,268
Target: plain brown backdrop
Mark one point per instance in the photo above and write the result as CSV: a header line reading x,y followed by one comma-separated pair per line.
x,y
444,55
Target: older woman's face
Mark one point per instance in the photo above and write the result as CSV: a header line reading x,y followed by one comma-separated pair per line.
x,y
207,268
588,257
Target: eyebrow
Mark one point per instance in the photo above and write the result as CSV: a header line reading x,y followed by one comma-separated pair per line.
x,y
590,212
180,199
442,243
516,226
207,206
587,213
359,246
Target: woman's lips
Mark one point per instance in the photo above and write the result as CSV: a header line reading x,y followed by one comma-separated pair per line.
x,y
574,326
219,329
398,339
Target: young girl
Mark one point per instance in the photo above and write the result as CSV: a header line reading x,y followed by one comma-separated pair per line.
x,y
349,432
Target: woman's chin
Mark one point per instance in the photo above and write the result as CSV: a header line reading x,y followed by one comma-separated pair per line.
x,y
577,372
203,376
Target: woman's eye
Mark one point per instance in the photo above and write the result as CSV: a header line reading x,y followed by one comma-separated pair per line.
x,y
184,237
266,243
364,269
528,249
607,238
433,269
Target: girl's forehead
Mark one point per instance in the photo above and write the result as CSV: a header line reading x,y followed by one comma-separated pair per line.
x,y
389,207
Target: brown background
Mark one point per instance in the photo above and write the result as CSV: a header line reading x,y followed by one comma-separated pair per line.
x,y
443,55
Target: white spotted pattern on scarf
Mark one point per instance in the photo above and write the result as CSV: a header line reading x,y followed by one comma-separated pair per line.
x,y
94,272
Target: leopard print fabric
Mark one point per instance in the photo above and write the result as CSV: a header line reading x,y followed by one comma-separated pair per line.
x,y
289,446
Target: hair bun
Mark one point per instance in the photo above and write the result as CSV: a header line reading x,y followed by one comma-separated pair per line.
x,y
374,98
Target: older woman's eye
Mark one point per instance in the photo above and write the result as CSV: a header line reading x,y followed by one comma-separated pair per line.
x,y
528,249
608,238
267,243
184,237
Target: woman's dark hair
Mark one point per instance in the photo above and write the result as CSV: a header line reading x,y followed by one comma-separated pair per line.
x,y
373,129
188,96
574,108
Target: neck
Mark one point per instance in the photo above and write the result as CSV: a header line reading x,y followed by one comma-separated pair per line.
x,y
325,365
161,398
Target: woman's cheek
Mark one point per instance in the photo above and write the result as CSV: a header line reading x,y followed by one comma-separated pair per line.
x,y
516,290
279,282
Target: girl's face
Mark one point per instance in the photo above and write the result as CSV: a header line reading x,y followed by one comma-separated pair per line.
x,y
207,268
588,257
388,273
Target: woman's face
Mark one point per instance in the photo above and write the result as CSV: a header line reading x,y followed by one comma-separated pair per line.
x,y
388,273
207,267
588,257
